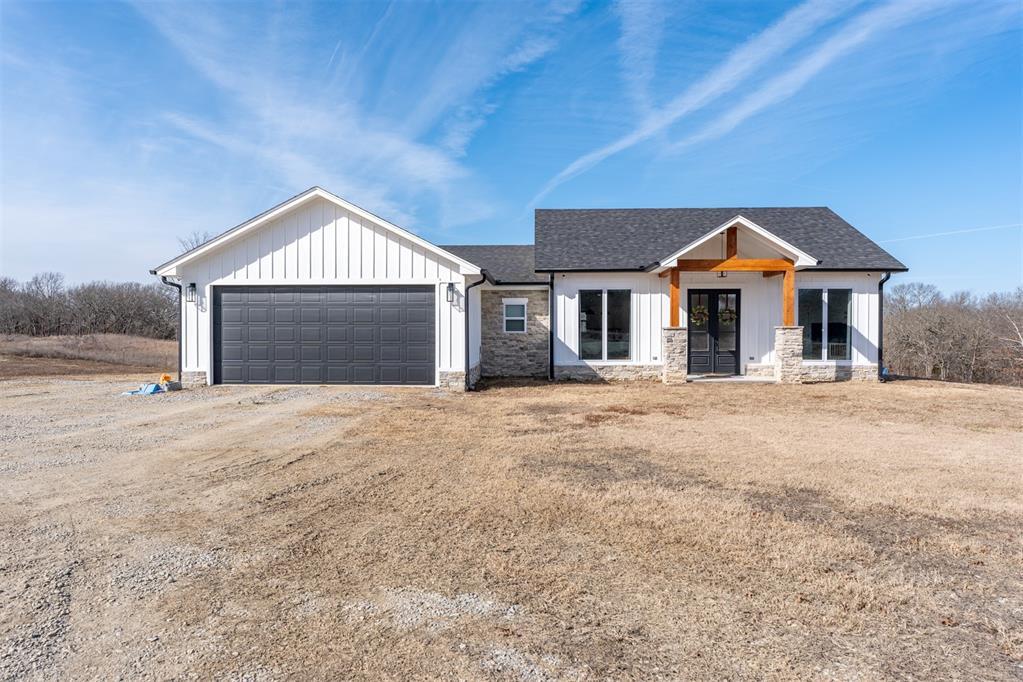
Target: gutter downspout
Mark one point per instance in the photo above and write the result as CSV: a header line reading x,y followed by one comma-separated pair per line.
x,y
880,326
550,331
483,278
181,320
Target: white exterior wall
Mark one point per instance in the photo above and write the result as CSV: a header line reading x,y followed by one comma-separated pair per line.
x,y
760,311
649,314
321,243
864,311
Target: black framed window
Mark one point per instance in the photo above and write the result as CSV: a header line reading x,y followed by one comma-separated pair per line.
x,y
605,324
591,324
825,315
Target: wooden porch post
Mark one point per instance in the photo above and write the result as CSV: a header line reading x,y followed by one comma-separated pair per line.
x,y
788,298
732,242
675,299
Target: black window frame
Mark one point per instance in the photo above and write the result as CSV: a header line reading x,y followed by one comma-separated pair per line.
x,y
825,312
604,294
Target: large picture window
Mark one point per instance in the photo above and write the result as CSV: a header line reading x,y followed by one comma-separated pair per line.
x,y
824,315
605,324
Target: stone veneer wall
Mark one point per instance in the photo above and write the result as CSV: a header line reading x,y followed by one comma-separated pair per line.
x,y
675,351
606,372
452,381
814,372
193,379
788,355
475,372
508,354
760,370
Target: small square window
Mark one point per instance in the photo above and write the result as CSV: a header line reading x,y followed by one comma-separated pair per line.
x,y
514,315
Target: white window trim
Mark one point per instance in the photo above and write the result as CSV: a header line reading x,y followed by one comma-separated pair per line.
x,y
825,360
505,302
603,359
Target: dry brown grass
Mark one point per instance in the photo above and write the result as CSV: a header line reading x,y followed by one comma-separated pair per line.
x,y
525,532
109,349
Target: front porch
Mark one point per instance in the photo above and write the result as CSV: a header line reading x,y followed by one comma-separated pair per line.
x,y
707,347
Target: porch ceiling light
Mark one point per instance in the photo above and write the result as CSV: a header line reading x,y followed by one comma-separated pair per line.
x,y
451,292
190,293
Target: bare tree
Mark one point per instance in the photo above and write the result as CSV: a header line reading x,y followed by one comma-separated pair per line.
x,y
194,240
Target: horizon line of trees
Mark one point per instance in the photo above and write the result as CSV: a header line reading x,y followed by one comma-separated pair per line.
x,y
46,306
954,337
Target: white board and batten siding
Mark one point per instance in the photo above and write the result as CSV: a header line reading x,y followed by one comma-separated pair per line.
x,y
760,311
321,243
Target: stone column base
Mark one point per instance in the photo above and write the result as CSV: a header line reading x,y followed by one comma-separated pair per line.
x,y
675,354
788,355
453,381
193,379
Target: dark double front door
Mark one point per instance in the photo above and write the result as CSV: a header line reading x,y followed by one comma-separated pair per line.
x,y
713,331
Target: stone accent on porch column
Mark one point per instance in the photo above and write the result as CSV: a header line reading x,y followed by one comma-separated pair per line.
x,y
788,355
675,353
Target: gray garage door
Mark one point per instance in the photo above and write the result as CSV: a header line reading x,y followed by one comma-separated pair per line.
x,y
323,335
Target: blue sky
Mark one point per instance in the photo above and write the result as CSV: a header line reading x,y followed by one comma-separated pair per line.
x,y
126,125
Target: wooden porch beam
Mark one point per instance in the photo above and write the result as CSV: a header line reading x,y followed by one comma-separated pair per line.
x,y
788,298
734,265
675,300
774,273
732,242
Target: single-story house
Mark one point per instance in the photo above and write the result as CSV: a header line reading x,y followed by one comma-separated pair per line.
x,y
318,290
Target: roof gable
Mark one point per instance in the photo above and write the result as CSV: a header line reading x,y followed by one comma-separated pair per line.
x,y
640,239
797,256
311,194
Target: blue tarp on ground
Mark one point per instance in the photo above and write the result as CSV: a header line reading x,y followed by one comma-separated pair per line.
x,y
145,389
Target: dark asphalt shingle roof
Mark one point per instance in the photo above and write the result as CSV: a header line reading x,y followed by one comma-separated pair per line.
x,y
635,238
504,263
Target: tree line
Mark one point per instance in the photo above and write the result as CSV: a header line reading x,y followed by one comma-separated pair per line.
x,y
956,337
45,305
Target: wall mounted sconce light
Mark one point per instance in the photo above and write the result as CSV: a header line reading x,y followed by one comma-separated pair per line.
x,y
451,292
190,293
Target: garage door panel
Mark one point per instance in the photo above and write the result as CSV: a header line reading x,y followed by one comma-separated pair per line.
x,y
338,353
364,374
311,374
311,355
365,295
418,374
285,374
364,353
235,333
418,354
338,334
364,315
391,334
259,314
337,315
324,334
420,334
366,334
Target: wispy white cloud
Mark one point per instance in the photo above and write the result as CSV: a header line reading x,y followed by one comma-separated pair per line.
x,y
745,60
852,35
642,30
308,133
